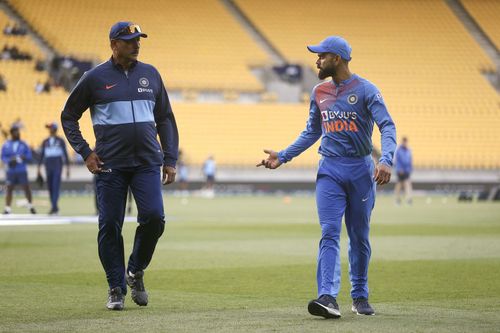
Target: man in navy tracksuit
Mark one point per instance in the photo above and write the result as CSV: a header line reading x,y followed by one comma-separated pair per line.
x,y
53,156
343,112
129,107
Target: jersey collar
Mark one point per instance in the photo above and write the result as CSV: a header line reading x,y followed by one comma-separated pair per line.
x,y
345,82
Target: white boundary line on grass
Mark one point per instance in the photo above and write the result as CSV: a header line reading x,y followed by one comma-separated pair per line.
x,y
39,219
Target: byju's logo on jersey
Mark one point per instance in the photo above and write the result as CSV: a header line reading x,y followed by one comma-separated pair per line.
x,y
144,83
352,99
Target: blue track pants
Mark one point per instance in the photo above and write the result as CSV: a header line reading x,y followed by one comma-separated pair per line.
x,y
54,185
112,188
344,187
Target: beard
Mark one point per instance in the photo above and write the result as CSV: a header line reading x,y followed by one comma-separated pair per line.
x,y
325,72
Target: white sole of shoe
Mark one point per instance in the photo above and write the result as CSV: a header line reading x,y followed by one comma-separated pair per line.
x,y
114,306
318,309
360,314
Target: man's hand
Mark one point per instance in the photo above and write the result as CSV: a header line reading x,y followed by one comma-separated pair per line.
x,y
39,179
12,162
382,174
94,163
168,175
272,161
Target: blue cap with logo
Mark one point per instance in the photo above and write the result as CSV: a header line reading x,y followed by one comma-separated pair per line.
x,y
126,31
333,44
52,125
15,127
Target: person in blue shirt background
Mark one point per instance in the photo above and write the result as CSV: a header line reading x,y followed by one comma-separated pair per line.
x,y
53,155
342,113
403,163
15,154
209,170
183,173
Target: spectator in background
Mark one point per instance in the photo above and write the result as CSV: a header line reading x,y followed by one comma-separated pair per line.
x,y
7,30
14,30
77,158
18,123
13,53
67,63
6,52
15,154
20,30
40,65
3,83
47,86
182,172
39,87
53,156
209,170
404,167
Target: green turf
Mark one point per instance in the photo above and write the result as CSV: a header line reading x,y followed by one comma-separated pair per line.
x,y
247,264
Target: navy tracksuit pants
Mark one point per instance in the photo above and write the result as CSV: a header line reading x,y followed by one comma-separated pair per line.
x,y
53,173
112,188
344,187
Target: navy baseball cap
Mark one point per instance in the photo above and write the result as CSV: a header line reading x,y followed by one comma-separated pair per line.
x,y
126,31
333,44
15,127
51,125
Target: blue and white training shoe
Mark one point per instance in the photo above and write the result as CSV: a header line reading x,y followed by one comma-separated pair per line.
x,y
136,284
325,306
116,300
361,306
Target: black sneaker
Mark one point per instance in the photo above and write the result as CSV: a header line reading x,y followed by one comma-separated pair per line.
x,y
136,284
361,306
325,306
116,300
32,210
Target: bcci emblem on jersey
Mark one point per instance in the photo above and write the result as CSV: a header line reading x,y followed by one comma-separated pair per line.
x,y
352,99
144,83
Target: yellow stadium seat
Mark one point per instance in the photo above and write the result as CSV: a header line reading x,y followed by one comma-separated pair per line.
x,y
195,44
421,57
487,15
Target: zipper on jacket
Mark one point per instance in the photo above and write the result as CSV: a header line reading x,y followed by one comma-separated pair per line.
x,y
133,118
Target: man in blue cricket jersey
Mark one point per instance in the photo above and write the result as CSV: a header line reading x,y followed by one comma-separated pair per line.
x,y
342,112
53,155
129,107
15,154
209,170
404,166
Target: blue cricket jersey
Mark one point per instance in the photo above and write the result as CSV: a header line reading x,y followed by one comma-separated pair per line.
x,y
403,160
209,167
343,116
54,153
15,154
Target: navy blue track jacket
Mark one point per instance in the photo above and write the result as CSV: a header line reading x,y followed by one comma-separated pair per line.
x,y
53,153
128,110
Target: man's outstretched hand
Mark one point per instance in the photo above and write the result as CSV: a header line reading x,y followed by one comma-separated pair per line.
x,y
272,161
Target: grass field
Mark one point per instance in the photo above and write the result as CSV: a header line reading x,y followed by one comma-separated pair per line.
x,y
247,264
